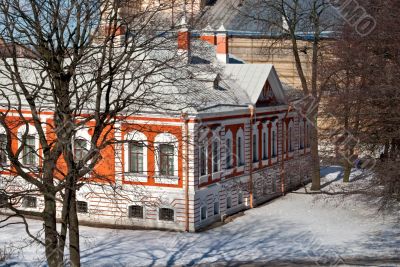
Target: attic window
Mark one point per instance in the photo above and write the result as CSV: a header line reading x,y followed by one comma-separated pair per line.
x,y
217,81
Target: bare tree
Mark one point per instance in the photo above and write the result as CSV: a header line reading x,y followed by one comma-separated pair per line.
x,y
67,66
293,21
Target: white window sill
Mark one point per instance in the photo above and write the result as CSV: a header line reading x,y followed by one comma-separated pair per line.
x,y
217,175
203,179
256,164
229,171
135,177
240,168
265,162
274,159
166,180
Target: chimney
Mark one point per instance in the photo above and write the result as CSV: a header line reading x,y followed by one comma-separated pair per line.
x,y
222,45
184,39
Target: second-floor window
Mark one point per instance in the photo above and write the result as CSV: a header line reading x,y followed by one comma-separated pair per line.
x,y
203,158
228,150
29,151
166,156
255,148
135,157
80,149
3,153
215,155
265,146
240,151
274,143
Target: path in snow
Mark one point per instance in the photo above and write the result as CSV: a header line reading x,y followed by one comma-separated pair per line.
x,y
293,228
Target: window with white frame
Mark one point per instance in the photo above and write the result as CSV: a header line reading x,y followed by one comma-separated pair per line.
x,y
203,157
216,207
3,149
291,137
135,153
82,207
135,211
166,154
228,150
203,212
136,149
29,202
255,147
29,150
265,143
308,135
80,148
240,147
166,214
301,134
166,157
216,155
274,142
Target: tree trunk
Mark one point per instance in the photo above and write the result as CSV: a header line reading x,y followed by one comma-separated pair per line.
x,y
75,257
346,170
50,231
315,169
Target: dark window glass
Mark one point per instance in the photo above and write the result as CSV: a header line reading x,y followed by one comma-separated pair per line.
x,y
29,202
81,207
3,153
80,149
215,152
136,157
216,208
203,159
166,214
136,211
166,159
3,200
29,153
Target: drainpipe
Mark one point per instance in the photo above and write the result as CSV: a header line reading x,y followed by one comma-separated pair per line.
x,y
283,152
251,109
184,117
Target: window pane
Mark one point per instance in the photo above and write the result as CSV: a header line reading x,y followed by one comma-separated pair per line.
x,y
228,153
80,149
216,208
136,157
28,153
255,152
203,213
29,202
136,212
166,159
166,214
81,207
215,150
203,159
3,145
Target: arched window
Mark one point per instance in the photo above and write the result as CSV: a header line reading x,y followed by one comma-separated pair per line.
x,y
274,140
291,136
228,149
203,156
30,141
265,142
240,147
81,144
301,134
136,153
3,148
216,155
255,144
166,146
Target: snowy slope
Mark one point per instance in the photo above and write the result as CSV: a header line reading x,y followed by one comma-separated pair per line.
x,y
300,228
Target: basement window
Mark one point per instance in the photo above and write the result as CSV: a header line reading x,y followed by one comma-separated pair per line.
x,y
3,200
82,207
166,214
29,202
136,211
203,213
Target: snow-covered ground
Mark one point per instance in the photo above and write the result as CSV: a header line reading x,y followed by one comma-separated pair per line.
x,y
297,228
